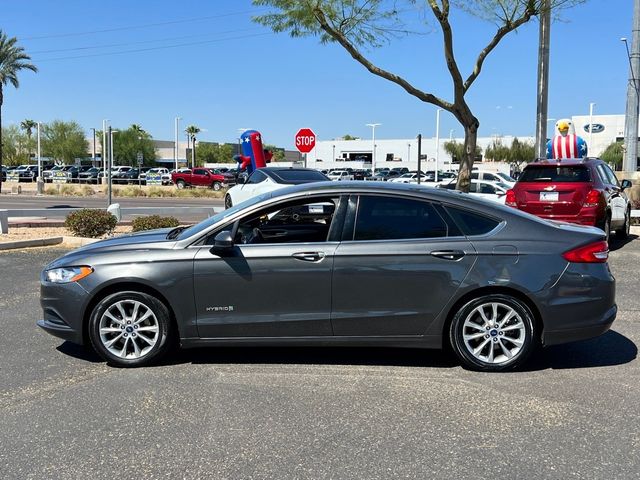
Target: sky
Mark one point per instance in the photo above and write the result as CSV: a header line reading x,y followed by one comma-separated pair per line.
x,y
206,61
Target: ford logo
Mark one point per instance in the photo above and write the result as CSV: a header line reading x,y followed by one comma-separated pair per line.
x,y
595,128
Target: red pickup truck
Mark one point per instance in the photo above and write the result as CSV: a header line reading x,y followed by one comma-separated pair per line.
x,y
202,177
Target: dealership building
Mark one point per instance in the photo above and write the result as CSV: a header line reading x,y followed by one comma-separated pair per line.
x,y
339,153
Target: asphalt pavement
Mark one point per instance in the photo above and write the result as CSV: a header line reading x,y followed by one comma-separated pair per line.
x,y
315,413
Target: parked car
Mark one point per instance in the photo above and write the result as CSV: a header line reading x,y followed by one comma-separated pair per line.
x,y
27,173
583,191
268,179
386,175
90,175
493,177
361,174
164,173
199,177
345,264
340,175
412,178
495,191
118,173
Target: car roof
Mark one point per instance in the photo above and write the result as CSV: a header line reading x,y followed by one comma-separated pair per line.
x,y
564,161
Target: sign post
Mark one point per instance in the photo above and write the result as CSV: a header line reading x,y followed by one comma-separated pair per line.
x,y
305,141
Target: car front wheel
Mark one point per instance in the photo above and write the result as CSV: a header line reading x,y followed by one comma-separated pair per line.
x,y
180,184
228,203
216,186
493,333
130,329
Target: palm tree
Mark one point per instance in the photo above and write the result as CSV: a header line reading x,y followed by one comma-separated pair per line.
x,y
28,126
12,60
192,131
137,128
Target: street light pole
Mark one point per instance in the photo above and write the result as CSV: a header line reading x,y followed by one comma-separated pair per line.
x,y
543,79
373,141
111,132
40,181
177,119
589,146
630,163
93,153
105,151
437,142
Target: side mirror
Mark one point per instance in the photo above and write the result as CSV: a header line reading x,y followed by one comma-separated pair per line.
x,y
625,184
223,240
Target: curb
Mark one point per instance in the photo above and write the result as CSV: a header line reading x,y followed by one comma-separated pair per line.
x,y
36,242
78,241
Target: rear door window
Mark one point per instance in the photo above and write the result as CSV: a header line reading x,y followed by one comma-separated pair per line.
x,y
555,174
472,223
388,218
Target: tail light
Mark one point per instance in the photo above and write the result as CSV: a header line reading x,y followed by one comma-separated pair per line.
x,y
597,252
593,199
510,199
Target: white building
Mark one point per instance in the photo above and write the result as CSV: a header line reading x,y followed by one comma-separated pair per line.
x,y
404,152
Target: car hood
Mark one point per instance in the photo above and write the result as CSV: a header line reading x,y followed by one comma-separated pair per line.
x,y
151,239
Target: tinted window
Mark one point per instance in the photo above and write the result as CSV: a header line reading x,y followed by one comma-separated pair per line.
x,y
555,174
610,176
486,188
257,177
386,218
295,177
472,223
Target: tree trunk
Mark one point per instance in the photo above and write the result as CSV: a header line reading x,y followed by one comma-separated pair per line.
x,y
1,100
471,125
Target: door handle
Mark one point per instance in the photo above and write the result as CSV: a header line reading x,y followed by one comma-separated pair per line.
x,y
309,256
448,254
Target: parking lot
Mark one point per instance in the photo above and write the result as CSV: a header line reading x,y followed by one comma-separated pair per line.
x,y
315,413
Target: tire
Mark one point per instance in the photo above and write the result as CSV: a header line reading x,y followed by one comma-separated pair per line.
x,y
116,336
228,203
623,232
180,184
493,347
216,186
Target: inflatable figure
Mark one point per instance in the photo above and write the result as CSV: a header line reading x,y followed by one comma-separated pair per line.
x,y
253,154
565,143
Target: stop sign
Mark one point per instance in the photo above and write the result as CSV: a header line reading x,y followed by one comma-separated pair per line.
x,y
305,140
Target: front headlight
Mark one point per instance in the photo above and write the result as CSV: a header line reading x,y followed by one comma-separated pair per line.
x,y
67,274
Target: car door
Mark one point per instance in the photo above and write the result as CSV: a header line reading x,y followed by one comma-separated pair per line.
x,y
398,264
275,282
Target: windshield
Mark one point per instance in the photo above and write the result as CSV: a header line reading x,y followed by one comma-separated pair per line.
x,y
205,224
554,173
506,177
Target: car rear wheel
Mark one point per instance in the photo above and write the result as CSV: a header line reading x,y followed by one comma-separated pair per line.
x,y
606,227
493,333
130,329
216,186
623,232
228,203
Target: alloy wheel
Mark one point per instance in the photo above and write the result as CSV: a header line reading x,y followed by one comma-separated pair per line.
x,y
129,329
494,333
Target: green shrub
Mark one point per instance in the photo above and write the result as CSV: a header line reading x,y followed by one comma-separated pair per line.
x,y
90,222
152,222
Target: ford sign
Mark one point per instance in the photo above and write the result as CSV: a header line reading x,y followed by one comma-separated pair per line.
x,y
595,128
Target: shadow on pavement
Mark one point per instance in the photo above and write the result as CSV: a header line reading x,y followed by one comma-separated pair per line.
x,y
616,242
606,350
79,351
368,356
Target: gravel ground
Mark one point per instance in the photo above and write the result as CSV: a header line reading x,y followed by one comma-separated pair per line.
x,y
29,233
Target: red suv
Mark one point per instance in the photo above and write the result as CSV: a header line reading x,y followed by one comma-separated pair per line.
x,y
584,191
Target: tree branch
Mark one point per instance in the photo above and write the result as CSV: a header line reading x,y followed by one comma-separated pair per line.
x,y
355,53
500,34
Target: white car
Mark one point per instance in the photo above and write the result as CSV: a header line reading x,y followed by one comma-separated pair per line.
x,y
493,177
338,175
412,177
164,172
495,191
268,179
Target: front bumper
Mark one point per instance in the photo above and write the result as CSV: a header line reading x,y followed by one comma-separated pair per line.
x,y
62,307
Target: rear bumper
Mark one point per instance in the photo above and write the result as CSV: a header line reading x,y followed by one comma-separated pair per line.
x,y
597,328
